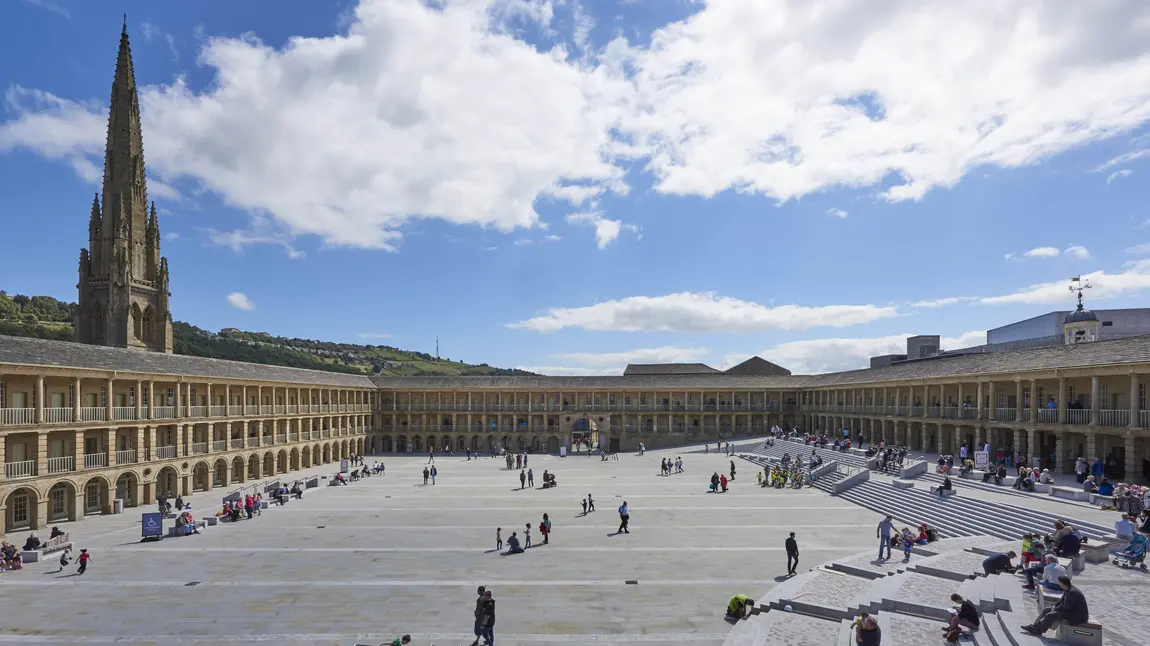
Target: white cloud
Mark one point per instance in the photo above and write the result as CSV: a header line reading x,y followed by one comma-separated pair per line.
x,y
260,232
521,242
606,230
50,6
665,354
785,97
832,355
373,335
1118,174
171,236
571,371
1042,252
943,302
1077,251
838,213
240,301
417,110
1139,249
1135,278
1122,159
700,312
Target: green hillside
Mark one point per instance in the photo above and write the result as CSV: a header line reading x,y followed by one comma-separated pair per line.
x,y
47,318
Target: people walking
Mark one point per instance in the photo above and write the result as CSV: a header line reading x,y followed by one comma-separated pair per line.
x,y
479,614
488,623
624,518
732,469
426,475
434,472
545,528
522,480
527,537
792,554
498,538
431,456
85,557
584,503
591,503
530,478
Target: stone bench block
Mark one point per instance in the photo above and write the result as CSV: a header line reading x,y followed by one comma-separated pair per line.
x,y
945,494
902,484
1046,598
31,556
1042,487
1087,634
1070,493
212,521
1099,552
1099,499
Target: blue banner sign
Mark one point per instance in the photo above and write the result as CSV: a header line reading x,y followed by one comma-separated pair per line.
x,y
152,525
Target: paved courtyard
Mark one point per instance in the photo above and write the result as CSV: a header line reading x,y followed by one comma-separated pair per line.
x,y
387,556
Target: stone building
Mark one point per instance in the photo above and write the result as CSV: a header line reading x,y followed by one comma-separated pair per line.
x,y
123,288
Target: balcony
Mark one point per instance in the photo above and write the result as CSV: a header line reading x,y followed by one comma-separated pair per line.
x,y
266,409
93,414
281,410
1078,416
17,416
165,452
21,469
1108,417
307,435
1048,415
1027,414
164,412
199,447
969,412
1004,414
95,460
219,445
57,415
237,442
292,409
61,464
254,441
127,456
294,436
218,411
121,413
237,411
282,438
198,411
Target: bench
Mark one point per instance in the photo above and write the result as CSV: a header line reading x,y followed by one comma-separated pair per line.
x,y
1042,487
174,532
1099,552
1070,493
1046,597
61,543
1099,499
1086,634
945,494
1078,561
902,484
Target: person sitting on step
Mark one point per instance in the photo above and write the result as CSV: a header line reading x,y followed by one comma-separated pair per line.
x,y
965,615
998,562
946,485
1071,608
1090,486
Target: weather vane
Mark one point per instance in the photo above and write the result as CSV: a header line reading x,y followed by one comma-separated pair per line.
x,y
1078,284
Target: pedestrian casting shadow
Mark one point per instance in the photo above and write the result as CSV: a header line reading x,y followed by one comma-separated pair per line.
x,y
68,575
730,620
783,577
494,550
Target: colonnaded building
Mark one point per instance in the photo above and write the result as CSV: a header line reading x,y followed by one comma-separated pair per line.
x,y
119,417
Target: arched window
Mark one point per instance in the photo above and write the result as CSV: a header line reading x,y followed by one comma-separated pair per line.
x,y
148,324
136,322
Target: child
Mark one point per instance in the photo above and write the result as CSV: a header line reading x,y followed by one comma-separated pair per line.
x,y
64,561
527,537
499,538
1027,541
907,543
584,501
760,475
84,558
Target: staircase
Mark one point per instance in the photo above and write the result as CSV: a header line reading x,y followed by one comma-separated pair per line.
x,y
825,482
959,516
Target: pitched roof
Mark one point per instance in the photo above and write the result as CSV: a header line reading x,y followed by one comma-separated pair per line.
x,y
65,354
758,366
636,369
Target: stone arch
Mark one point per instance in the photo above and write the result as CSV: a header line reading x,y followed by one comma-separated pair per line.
x,y
316,455
293,459
21,509
522,442
362,443
474,442
168,482
220,473
253,467
445,443
62,502
506,443
127,484
305,457
137,322
490,442
269,465
239,470
97,495
201,476
343,450
326,453
417,444
536,443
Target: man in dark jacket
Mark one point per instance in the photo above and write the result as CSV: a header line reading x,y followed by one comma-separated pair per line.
x,y
792,554
487,606
1071,609
996,563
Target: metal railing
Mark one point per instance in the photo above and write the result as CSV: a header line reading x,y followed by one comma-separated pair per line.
x,y
17,416
95,460
127,456
120,413
1004,414
219,445
1078,416
235,410
218,411
166,452
199,447
93,414
164,412
237,443
21,469
61,464
199,411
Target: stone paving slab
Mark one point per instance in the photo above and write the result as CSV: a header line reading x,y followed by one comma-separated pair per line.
x,y
905,630
779,628
959,564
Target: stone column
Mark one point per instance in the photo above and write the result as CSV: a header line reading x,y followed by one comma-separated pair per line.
x,y
40,399
1035,403
42,453
76,401
139,399
1018,439
978,403
77,450
152,400
111,447
993,416
1018,404
1095,405
181,433
109,386
139,444
1031,444
1133,456
152,442
1134,421
1060,441
227,400
1061,402
1091,446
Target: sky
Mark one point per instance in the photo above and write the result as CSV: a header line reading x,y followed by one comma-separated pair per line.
x,y
567,186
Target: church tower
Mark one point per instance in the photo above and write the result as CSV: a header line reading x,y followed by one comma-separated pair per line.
x,y
123,289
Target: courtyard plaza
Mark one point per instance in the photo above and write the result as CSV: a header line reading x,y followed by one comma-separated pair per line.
x,y
387,556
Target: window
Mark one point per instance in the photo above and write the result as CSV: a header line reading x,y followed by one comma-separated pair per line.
x,y
170,397
92,496
145,400
1026,397
20,509
1141,396
1103,395
1041,396
71,395
626,401
1069,394
3,397
58,503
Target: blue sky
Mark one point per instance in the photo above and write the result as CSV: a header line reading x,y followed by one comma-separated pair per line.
x,y
567,186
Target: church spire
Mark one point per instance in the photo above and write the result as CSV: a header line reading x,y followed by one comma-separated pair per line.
x,y
124,151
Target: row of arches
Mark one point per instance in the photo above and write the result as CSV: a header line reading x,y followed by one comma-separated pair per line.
x,y
420,444
25,507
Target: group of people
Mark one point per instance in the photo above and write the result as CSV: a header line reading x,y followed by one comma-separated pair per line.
x,y
1044,551
779,475
513,543
242,507
880,455
890,538
517,459
667,464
